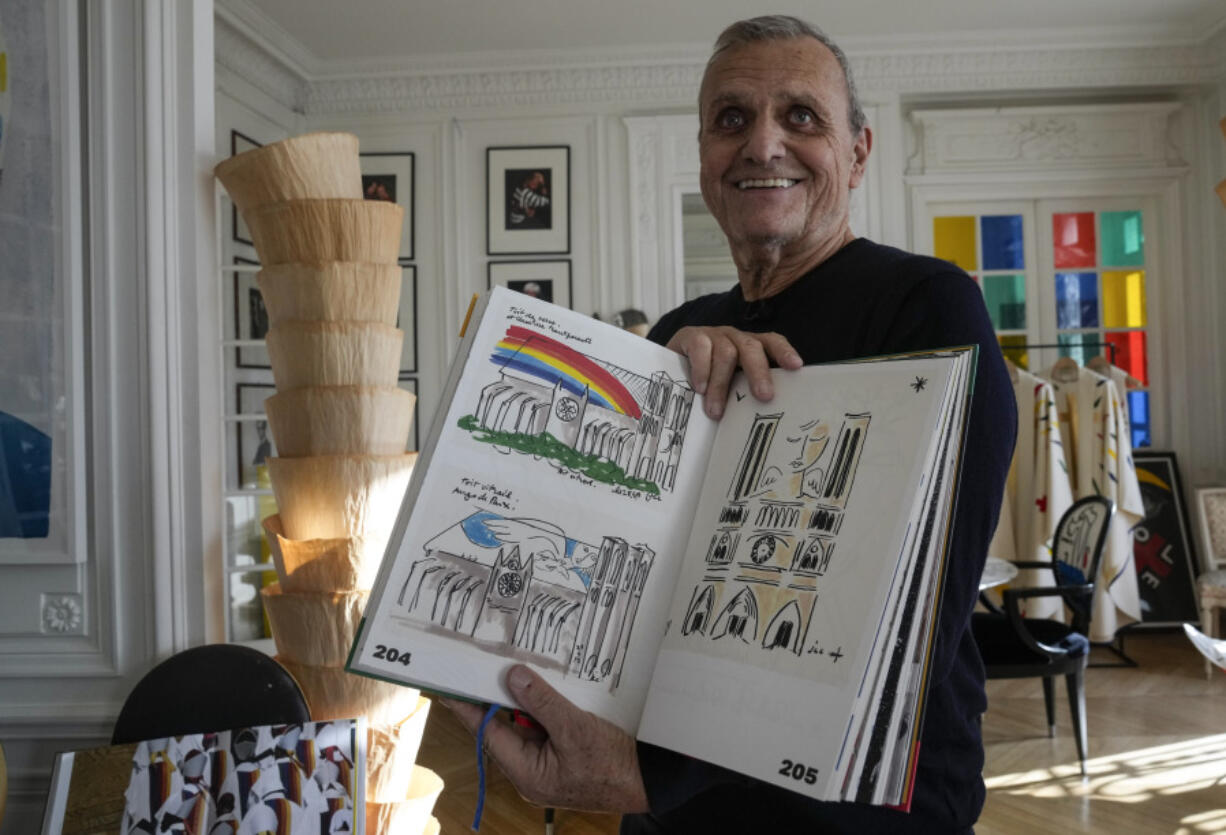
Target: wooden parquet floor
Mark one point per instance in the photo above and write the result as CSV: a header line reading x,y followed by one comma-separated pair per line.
x,y
1157,760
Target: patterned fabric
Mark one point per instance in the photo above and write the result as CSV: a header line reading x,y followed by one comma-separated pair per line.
x,y
1094,431
1037,493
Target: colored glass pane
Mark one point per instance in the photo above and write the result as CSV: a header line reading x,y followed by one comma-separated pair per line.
x,y
1076,300
953,239
1073,239
1013,347
1079,346
1138,416
1123,240
1002,242
1005,296
1130,353
1124,299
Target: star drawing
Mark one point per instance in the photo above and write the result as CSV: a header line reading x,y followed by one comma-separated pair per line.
x,y
919,384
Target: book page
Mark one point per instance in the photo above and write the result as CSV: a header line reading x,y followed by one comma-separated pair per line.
x,y
546,522
799,539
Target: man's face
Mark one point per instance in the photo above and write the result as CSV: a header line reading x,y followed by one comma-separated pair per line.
x,y
778,157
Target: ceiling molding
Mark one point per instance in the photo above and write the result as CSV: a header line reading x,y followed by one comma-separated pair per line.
x,y
255,48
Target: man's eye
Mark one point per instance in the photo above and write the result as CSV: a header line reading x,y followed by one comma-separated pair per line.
x,y
802,116
730,119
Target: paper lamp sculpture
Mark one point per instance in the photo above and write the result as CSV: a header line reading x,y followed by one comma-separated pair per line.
x,y
331,287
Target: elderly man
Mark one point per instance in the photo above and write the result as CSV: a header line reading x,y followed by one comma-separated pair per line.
x,y
783,141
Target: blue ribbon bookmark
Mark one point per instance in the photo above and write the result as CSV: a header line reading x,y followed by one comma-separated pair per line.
x,y
489,714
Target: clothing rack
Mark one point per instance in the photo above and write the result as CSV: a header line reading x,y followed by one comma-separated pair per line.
x,y
1116,645
1110,346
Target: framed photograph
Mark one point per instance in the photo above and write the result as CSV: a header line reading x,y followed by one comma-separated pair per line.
x,y
1211,509
528,200
250,316
545,280
410,384
389,176
238,144
406,318
255,443
1162,545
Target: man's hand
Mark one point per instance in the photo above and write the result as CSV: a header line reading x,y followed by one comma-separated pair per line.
x,y
715,353
580,761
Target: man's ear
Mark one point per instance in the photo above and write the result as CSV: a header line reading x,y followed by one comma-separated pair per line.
x,y
860,150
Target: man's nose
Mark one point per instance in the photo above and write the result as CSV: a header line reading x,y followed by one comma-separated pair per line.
x,y
765,142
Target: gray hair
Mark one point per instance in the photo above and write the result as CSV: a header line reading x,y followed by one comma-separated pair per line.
x,y
784,27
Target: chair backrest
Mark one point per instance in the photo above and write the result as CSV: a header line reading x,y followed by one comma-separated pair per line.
x,y
1077,550
215,687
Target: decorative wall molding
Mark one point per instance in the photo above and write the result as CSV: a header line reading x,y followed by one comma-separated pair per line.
x,y
62,614
1082,137
648,77
243,54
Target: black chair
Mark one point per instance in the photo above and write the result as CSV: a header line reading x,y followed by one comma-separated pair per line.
x,y
215,687
1014,646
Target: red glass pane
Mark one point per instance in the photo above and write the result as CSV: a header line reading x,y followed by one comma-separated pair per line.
x,y
1130,353
1073,239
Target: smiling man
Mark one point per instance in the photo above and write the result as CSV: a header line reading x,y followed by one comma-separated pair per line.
x,y
783,141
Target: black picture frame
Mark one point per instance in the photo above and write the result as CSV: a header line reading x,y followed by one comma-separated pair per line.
x,y
392,175
254,442
410,384
515,225
1163,555
240,143
250,317
406,318
551,275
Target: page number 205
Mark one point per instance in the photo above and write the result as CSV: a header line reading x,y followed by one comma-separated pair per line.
x,y
798,771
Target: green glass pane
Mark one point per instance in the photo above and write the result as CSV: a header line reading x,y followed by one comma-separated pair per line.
x,y
1005,296
1080,346
1122,239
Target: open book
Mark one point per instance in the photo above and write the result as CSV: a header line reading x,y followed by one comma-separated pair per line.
x,y
758,592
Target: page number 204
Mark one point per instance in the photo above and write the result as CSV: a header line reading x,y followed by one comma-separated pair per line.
x,y
386,653
798,771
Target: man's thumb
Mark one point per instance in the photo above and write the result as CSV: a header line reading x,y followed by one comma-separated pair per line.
x,y
535,695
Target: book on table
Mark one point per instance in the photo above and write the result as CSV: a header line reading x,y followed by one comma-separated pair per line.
x,y
300,778
759,591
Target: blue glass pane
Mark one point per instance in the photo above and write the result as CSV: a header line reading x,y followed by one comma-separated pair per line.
x,y
1076,300
1002,242
1138,415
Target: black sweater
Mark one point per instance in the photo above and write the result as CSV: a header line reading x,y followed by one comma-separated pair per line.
x,y
868,300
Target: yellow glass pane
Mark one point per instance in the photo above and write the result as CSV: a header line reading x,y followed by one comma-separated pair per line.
x,y
953,239
1014,349
1124,298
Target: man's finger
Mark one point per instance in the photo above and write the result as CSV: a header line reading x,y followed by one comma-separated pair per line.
x,y
695,346
754,362
781,351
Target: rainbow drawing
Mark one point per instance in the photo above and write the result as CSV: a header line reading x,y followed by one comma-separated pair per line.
x,y
547,359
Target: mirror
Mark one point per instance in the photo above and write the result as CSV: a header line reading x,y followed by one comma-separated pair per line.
x,y
708,266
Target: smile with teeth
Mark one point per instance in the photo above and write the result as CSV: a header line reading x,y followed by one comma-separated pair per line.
x,y
773,182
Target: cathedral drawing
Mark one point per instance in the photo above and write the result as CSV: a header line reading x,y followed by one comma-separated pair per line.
x,y
593,407
523,588
776,533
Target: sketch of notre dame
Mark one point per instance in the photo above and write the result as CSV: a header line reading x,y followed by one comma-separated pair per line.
x,y
776,533
523,588
605,413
